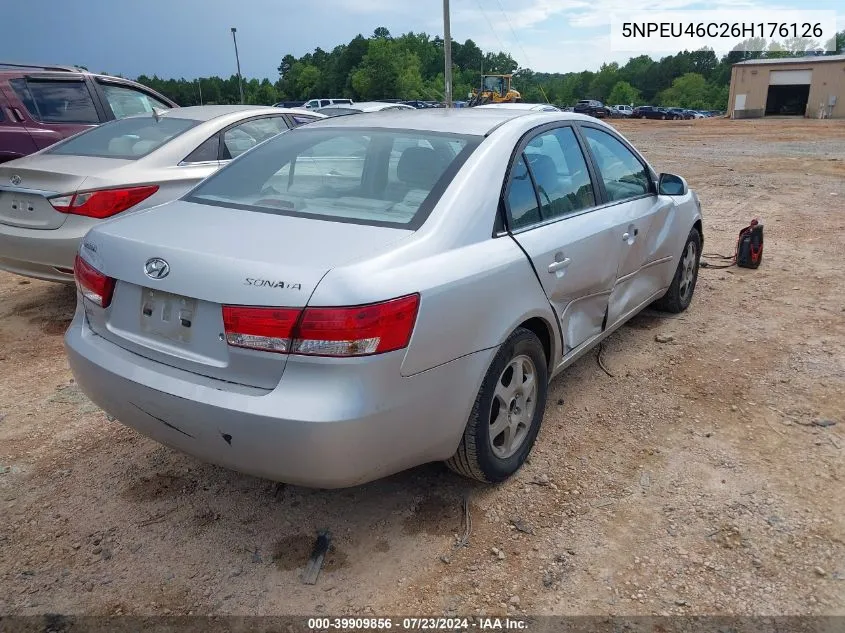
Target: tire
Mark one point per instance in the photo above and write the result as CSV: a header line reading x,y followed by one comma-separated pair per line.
x,y
679,296
493,460
662,117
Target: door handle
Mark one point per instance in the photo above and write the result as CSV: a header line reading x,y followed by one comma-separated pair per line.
x,y
18,115
627,236
559,264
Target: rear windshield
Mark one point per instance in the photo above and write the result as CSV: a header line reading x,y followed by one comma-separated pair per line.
x,y
130,138
379,176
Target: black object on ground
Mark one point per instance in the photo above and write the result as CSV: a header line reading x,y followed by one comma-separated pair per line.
x,y
318,555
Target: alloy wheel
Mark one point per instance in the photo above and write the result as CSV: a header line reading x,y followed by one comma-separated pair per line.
x,y
687,272
513,406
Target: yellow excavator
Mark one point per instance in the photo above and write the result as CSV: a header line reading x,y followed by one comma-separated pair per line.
x,y
494,89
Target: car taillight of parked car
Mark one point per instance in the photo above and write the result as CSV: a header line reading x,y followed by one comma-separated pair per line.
x,y
340,332
93,284
102,203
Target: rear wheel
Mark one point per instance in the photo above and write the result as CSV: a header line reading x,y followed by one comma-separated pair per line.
x,y
508,410
679,295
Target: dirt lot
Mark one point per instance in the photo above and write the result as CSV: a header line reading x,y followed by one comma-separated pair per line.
x,y
705,476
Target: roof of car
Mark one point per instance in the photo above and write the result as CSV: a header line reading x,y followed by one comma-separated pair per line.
x,y
519,106
364,106
208,112
470,121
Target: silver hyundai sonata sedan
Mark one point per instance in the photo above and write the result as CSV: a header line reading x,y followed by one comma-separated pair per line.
x,y
365,294
50,199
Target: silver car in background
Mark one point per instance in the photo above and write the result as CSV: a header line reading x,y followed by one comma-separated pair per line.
x,y
363,106
368,293
50,199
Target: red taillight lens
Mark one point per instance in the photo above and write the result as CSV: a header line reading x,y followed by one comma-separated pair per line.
x,y
268,329
353,331
103,203
93,284
357,331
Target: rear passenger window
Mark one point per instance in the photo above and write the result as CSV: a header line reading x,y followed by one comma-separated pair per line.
x,y
522,200
299,119
128,102
247,135
560,173
206,152
623,174
57,101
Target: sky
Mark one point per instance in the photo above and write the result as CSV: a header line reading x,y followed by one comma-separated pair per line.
x,y
191,38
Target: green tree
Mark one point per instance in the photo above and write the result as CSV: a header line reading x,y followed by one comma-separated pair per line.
x,y
623,93
307,81
688,91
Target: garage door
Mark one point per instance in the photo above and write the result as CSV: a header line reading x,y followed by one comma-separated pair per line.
x,y
790,77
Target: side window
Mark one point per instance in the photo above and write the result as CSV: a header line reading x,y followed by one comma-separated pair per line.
x,y
57,101
299,119
247,135
206,152
560,173
522,199
127,101
623,174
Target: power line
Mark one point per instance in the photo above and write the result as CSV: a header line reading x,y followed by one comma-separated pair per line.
x,y
502,46
516,39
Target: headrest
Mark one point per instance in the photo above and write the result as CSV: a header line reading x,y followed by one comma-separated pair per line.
x,y
420,167
142,147
122,145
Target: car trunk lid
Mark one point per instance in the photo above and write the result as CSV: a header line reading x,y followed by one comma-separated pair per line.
x,y
214,256
27,183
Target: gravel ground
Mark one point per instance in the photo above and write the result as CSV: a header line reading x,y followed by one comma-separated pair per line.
x,y
704,477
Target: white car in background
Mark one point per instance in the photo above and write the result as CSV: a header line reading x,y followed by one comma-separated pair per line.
x,y
622,110
363,106
313,104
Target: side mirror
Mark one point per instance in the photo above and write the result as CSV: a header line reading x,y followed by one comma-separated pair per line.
x,y
672,185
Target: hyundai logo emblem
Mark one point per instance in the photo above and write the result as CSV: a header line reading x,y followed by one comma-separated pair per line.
x,y
15,180
156,268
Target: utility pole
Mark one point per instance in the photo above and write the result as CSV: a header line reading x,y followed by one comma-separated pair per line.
x,y
199,85
447,52
238,61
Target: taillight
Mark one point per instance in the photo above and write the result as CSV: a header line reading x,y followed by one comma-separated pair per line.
x,y
357,331
103,203
350,331
268,329
93,284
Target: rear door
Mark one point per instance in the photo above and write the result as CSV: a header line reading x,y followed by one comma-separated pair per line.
x,y
15,140
554,214
627,184
56,105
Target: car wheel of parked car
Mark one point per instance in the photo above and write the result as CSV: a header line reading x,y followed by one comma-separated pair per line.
x,y
679,295
507,413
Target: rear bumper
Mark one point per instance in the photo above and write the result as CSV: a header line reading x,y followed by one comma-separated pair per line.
x,y
42,253
329,423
